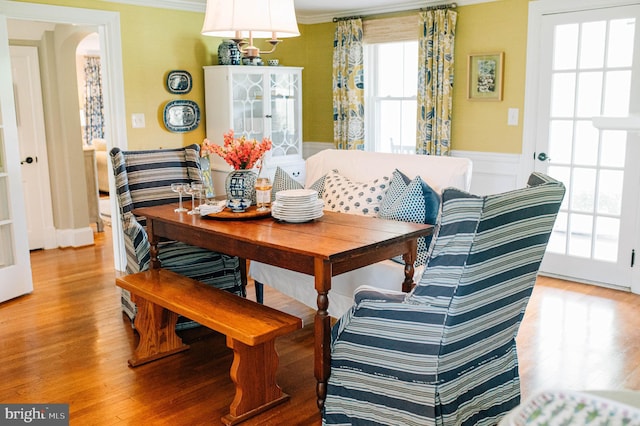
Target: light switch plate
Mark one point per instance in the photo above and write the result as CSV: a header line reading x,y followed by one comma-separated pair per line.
x,y
137,121
512,118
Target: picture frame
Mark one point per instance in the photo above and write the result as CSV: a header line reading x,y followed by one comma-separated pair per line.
x,y
485,76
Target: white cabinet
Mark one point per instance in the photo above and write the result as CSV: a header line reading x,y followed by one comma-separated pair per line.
x,y
256,102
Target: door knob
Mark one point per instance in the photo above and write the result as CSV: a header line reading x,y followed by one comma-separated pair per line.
x,y
543,157
27,160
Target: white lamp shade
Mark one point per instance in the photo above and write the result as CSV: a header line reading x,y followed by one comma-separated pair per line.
x,y
225,18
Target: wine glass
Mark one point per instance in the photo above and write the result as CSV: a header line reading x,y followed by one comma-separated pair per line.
x,y
179,188
195,189
263,194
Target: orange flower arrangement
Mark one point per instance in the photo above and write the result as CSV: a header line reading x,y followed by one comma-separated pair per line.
x,y
240,153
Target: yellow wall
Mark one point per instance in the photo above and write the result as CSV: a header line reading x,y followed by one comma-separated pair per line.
x,y
477,126
155,41
490,27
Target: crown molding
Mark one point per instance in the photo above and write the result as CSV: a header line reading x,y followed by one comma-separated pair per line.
x,y
304,17
186,5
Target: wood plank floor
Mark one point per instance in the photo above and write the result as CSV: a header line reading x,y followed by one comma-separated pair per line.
x,y
67,342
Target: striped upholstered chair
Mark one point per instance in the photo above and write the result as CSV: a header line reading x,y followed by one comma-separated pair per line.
x,y
445,353
144,178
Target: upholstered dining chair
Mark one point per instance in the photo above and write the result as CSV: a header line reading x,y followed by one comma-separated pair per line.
x,y
445,353
143,179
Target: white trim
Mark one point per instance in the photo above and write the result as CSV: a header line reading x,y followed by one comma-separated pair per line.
x,y
493,172
108,24
78,237
187,5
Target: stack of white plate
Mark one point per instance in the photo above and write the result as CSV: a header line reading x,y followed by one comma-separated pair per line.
x,y
297,205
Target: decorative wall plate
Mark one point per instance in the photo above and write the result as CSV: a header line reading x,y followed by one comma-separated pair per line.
x,y
179,81
181,116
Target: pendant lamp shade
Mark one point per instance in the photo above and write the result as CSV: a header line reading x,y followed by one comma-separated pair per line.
x,y
234,19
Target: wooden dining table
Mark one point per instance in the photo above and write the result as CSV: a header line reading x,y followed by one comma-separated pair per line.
x,y
325,247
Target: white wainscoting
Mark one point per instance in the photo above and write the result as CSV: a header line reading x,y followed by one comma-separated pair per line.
x,y
492,172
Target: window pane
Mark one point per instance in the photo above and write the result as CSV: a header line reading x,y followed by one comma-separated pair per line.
x,y
616,96
397,69
586,144
606,243
589,92
580,235
592,44
614,146
565,50
562,95
390,132
610,192
583,190
621,34
560,137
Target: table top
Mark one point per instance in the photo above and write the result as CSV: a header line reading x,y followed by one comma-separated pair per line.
x,y
334,237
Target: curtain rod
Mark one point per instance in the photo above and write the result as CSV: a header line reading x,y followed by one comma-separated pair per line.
x,y
422,9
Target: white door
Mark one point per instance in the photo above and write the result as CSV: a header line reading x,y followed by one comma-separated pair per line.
x,y
589,65
33,148
15,266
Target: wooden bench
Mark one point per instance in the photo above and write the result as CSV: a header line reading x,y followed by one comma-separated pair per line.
x,y
251,330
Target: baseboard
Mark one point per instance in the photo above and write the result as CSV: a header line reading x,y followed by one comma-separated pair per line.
x,y
75,237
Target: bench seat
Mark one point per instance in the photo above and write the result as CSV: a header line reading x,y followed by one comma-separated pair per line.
x,y
251,330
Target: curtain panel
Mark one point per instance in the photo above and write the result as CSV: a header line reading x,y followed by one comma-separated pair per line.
x,y
435,81
348,85
93,103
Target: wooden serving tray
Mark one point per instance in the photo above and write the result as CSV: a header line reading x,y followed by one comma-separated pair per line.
x,y
251,213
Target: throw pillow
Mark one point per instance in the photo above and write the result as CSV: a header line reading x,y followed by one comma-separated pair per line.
x,y
345,196
283,181
411,200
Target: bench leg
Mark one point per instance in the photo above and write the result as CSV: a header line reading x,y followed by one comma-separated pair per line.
x,y
157,329
254,373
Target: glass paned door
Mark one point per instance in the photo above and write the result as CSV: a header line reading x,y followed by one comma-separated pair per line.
x,y
285,132
15,267
587,70
248,105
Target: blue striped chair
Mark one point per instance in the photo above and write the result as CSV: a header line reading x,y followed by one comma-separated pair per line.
x,y
144,178
445,353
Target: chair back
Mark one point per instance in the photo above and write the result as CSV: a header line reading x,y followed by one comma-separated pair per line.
x,y
483,264
144,178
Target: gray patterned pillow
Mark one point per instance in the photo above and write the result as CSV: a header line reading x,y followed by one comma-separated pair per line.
x,y
282,181
411,200
345,196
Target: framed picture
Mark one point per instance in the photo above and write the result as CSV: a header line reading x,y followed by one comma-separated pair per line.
x,y
484,73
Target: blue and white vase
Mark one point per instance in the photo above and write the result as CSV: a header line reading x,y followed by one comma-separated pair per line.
x,y
240,186
228,53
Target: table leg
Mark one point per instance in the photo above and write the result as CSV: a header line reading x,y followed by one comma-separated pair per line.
x,y
322,329
409,259
153,250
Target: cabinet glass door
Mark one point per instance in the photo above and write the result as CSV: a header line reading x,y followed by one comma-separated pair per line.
x,y
248,105
285,132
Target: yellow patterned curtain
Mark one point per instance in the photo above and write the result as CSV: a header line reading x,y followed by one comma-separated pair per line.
x,y
435,81
348,85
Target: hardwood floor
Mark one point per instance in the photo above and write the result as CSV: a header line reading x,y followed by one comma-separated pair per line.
x,y
67,342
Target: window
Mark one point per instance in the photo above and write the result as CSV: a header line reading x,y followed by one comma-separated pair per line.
x,y
390,96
